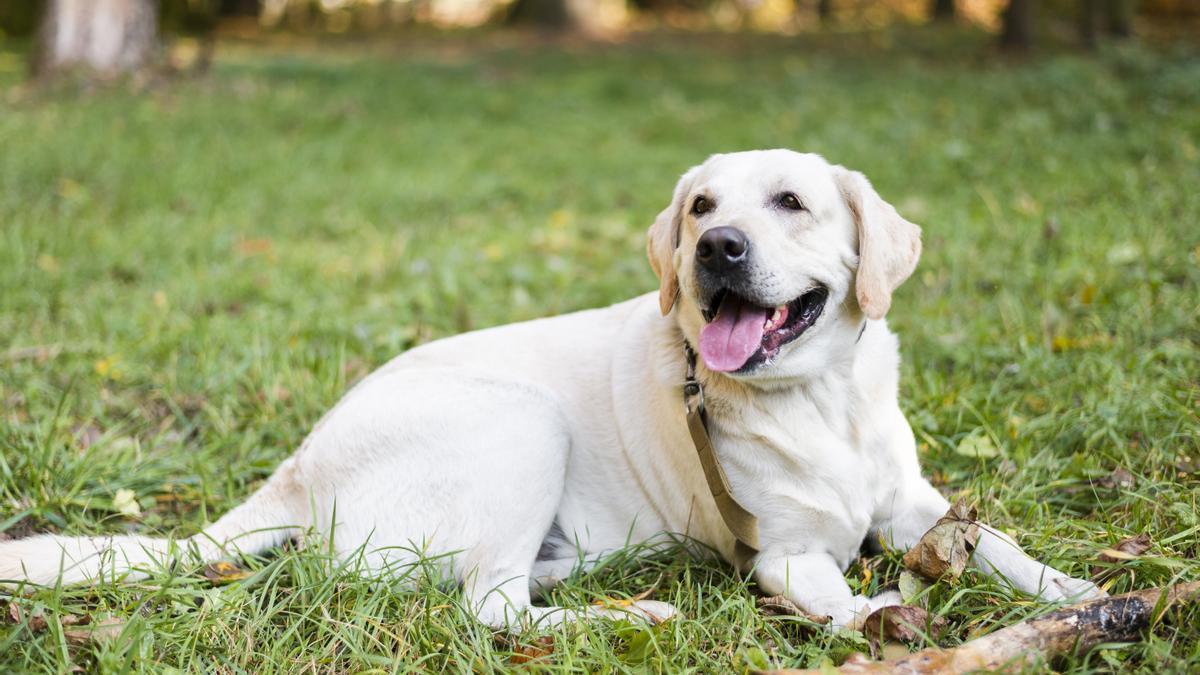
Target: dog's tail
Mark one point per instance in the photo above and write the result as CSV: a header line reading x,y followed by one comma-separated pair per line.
x,y
271,515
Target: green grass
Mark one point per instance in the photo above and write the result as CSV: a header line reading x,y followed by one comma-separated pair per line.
x,y
191,275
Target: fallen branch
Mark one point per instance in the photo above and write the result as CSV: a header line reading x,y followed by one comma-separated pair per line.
x,y
1070,629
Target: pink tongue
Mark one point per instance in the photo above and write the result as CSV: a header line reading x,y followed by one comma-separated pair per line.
x,y
730,339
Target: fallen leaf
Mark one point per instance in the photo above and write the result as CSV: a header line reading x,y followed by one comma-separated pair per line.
x,y
944,550
1127,549
778,605
107,367
903,624
911,586
253,247
47,263
540,648
1062,343
979,444
102,631
125,502
224,572
36,622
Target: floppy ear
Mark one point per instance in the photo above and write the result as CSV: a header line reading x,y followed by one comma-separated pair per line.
x,y
663,238
888,245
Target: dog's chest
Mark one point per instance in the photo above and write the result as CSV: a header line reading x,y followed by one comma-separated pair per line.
x,y
811,467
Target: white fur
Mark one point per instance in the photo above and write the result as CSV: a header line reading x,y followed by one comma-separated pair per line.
x,y
476,444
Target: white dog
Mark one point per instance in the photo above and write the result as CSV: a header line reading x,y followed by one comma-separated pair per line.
x,y
529,450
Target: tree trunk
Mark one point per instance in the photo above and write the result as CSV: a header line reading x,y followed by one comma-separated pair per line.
x,y
107,37
1089,20
548,14
1018,25
1120,17
942,10
825,10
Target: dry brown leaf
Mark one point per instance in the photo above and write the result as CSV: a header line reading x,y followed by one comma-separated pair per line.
x,y
905,624
540,648
946,548
101,631
1126,549
72,620
778,605
36,622
253,247
224,572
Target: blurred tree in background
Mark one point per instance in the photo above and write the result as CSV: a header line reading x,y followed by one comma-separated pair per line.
x,y
119,36
105,36
942,10
1018,24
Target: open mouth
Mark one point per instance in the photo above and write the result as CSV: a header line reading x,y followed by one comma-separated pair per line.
x,y
740,334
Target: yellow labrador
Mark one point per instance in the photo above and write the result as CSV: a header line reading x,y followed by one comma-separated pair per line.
x,y
528,451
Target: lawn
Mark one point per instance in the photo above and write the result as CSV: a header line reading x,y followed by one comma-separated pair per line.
x,y
192,274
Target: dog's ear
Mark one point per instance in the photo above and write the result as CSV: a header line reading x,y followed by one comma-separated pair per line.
x,y
888,245
662,240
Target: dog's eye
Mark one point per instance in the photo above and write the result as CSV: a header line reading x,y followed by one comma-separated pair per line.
x,y
701,206
790,202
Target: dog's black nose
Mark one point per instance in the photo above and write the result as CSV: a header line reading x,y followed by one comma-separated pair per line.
x,y
722,248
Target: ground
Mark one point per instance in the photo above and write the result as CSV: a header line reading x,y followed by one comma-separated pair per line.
x,y
191,274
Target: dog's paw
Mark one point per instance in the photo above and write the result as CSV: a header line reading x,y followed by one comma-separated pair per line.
x,y
886,599
1070,589
865,607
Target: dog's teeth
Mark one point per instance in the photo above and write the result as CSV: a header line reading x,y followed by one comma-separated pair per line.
x,y
773,322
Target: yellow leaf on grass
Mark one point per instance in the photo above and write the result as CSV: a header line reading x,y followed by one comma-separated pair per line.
x,y
224,572
493,251
69,189
107,367
125,502
978,444
47,263
560,218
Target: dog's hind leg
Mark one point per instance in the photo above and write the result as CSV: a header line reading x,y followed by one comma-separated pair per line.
x,y
274,513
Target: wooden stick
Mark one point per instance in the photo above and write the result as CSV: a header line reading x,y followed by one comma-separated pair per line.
x,y
1076,628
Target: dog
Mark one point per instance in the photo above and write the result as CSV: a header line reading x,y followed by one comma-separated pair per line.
x,y
518,455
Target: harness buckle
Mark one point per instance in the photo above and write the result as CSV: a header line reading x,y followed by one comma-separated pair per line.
x,y
693,391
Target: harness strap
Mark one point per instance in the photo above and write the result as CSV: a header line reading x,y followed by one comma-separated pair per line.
x,y
738,519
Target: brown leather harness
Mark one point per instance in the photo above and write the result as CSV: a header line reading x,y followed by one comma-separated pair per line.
x,y
738,519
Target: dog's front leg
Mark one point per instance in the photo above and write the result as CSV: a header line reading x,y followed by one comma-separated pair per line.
x,y
814,581
918,506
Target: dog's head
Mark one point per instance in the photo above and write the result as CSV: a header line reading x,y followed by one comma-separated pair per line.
x,y
771,259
